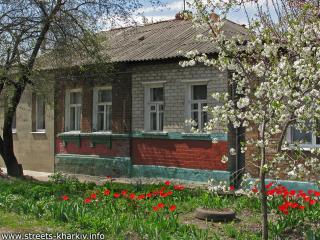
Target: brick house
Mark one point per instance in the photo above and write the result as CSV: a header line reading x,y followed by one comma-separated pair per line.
x,y
131,121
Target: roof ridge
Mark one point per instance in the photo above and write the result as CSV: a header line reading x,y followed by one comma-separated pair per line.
x,y
143,25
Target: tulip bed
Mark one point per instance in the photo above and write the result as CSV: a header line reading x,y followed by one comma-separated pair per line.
x,y
157,211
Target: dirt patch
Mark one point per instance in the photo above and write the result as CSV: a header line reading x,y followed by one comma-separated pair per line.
x,y
246,220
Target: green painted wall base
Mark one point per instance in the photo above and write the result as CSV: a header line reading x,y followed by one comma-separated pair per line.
x,y
122,167
93,165
197,175
291,185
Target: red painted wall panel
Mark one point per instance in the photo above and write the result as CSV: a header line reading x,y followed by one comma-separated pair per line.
x,y
179,153
120,148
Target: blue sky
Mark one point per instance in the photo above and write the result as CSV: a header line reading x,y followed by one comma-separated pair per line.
x,y
173,6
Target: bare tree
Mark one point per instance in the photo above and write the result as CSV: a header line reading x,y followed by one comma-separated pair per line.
x,y
30,29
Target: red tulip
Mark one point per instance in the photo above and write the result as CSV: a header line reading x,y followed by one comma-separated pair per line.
x,y
269,185
161,205
312,202
310,191
167,183
231,188
106,192
172,208
124,192
142,196
65,198
116,195
178,187
155,208
93,196
87,200
132,196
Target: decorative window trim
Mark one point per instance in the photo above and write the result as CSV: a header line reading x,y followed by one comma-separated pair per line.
x,y
188,97
196,81
67,110
95,108
154,83
147,87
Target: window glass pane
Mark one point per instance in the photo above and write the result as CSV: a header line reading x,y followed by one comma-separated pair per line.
x,y
156,94
104,95
100,108
194,106
14,121
199,92
153,121
75,97
100,121
78,116
161,107
194,116
72,118
161,121
152,107
317,140
75,113
298,136
109,118
203,105
204,119
40,107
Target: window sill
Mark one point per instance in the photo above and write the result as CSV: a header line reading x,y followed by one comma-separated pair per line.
x,y
101,133
38,132
155,133
195,134
303,148
14,131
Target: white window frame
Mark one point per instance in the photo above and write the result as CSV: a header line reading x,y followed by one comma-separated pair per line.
x,y
67,109
313,143
42,130
147,104
95,109
189,101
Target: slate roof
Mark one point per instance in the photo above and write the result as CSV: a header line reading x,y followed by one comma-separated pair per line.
x,y
156,41
161,40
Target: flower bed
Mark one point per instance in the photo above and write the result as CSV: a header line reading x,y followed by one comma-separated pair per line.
x,y
160,211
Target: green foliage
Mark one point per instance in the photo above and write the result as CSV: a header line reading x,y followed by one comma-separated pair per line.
x,y
120,217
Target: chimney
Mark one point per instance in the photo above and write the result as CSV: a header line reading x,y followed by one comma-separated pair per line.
x,y
215,17
184,15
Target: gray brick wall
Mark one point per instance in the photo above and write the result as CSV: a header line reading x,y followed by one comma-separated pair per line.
x,y
174,90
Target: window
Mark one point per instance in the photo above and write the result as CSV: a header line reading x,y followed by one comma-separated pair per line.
x,y
154,113
73,110
40,114
102,109
198,102
305,139
14,123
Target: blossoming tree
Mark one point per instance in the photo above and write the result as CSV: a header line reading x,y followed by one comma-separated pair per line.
x,y
275,76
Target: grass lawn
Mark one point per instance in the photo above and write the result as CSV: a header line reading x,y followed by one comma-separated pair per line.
x,y
123,211
13,222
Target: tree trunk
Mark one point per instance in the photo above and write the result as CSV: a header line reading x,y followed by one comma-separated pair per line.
x,y
263,194
264,207
6,149
13,167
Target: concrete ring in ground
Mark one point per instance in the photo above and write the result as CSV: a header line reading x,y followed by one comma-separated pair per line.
x,y
216,215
